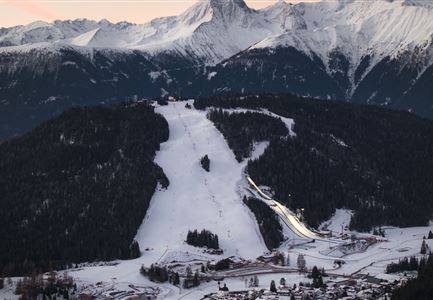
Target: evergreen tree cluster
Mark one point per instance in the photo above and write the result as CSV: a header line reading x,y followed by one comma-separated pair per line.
x,y
77,187
420,288
223,264
241,130
156,273
268,222
205,163
204,238
379,231
174,278
407,264
191,280
375,161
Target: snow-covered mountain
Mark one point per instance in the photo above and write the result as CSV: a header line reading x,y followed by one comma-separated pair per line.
x,y
360,29
213,30
210,31
377,52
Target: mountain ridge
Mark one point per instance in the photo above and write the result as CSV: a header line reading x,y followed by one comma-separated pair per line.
x,y
374,52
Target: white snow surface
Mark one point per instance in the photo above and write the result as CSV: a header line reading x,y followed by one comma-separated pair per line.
x,y
340,220
196,199
213,30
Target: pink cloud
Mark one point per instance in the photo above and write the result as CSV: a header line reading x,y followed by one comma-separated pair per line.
x,y
38,10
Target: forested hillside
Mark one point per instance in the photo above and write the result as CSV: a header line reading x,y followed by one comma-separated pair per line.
x,y
375,161
268,222
246,128
77,187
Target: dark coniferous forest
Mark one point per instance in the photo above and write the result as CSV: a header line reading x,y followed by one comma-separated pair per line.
x,y
407,264
375,161
420,288
77,187
268,222
243,129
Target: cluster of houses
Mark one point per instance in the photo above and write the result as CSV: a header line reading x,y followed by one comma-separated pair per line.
x,y
361,287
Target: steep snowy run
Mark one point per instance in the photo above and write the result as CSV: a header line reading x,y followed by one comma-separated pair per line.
x,y
196,199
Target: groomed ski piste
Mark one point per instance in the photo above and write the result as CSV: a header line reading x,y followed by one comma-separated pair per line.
x,y
196,199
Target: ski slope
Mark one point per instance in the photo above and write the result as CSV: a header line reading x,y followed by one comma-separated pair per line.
x,y
196,199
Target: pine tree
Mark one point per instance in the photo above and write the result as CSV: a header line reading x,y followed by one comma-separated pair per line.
x,y
413,263
134,250
430,235
176,279
301,262
196,279
319,282
282,281
424,247
315,273
273,288
188,273
256,281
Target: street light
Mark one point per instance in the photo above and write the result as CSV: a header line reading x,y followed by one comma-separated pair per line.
x,y
302,213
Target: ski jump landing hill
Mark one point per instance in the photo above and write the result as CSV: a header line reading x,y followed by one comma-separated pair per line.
x,y
291,223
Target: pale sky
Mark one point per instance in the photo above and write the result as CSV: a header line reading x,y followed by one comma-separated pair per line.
x,y
17,12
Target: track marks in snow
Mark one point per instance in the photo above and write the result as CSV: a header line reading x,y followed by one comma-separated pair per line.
x,y
196,199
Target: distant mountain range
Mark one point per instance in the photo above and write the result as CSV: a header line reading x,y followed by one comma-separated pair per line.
x,y
377,52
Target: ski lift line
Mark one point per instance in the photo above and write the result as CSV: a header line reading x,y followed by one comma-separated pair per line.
x,y
211,194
